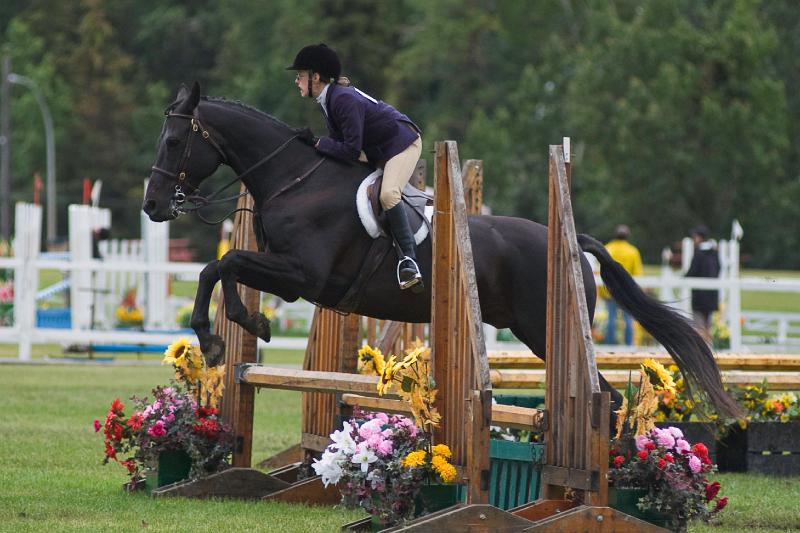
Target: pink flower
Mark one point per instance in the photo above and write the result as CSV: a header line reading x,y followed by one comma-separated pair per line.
x,y
677,433
168,418
97,425
641,442
682,446
695,464
157,429
383,417
384,447
369,428
664,438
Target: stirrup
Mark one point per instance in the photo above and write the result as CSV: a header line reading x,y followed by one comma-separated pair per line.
x,y
413,281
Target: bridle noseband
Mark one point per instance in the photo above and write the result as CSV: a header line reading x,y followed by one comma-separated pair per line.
x,y
179,197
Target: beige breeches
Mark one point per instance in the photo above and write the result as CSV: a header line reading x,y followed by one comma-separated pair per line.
x,y
397,172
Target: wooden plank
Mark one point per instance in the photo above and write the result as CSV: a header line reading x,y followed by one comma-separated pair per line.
x,y
465,518
535,379
632,360
292,454
502,415
570,477
309,491
594,519
309,380
240,346
315,443
240,483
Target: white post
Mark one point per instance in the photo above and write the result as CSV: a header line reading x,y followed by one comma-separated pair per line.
x,y
84,219
156,250
27,242
735,300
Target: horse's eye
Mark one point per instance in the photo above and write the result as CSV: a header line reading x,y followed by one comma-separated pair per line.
x,y
172,142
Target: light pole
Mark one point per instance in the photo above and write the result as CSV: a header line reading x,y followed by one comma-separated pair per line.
x,y
51,151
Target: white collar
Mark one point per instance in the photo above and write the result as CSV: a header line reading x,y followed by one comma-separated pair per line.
x,y
321,97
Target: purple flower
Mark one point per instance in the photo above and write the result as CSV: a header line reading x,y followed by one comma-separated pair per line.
x,y
665,439
677,433
641,441
695,464
682,446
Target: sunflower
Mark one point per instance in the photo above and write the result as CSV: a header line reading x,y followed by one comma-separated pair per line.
x,y
389,369
371,360
658,375
443,450
176,351
447,472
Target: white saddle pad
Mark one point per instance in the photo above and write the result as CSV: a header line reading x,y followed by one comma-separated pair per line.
x,y
368,219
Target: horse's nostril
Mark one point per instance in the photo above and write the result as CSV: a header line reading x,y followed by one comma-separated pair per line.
x,y
148,206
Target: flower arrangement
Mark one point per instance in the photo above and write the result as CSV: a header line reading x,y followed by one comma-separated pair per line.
x,y
661,461
128,313
720,333
183,417
673,403
382,462
764,407
674,473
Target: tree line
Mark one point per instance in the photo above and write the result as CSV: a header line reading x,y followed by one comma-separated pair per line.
x,y
681,111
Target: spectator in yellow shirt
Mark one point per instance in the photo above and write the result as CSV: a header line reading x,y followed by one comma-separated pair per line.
x,y
628,256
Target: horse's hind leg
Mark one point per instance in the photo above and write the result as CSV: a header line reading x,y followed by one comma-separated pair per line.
x,y
213,346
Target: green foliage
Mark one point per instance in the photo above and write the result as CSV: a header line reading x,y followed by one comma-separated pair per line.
x,y
681,111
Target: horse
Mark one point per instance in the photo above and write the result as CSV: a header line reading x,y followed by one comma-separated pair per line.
x,y
316,248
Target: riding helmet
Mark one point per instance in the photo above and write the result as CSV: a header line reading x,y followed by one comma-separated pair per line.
x,y
318,58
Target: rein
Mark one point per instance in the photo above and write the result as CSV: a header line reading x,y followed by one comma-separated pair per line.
x,y
199,201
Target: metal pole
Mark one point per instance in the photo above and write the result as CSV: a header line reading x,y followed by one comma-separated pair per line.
x,y
5,151
51,151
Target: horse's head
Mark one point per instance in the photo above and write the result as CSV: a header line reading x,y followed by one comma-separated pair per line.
x,y
186,156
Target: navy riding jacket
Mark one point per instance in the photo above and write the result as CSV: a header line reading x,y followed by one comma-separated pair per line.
x,y
357,122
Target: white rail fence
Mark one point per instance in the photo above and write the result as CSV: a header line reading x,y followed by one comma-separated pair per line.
x,y
143,264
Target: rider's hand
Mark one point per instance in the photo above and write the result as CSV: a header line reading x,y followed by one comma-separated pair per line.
x,y
307,136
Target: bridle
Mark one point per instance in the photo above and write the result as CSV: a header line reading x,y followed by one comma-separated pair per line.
x,y
179,197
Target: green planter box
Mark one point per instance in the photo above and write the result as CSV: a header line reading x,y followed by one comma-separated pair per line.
x,y
173,466
626,501
515,475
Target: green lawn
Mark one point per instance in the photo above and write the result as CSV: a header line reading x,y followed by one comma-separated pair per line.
x,y
53,480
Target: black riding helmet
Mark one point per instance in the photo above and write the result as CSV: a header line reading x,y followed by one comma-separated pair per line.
x,y
318,58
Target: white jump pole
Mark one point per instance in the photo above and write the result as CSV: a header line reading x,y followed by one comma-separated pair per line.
x,y
27,242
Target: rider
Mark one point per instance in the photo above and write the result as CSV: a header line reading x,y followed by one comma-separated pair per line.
x,y
363,128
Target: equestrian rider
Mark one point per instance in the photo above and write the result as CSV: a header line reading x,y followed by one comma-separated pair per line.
x,y
363,128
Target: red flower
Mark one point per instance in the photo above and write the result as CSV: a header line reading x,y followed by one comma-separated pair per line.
x,y
650,445
642,455
669,458
207,427
618,460
110,451
97,425
700,450
662,464
116,406
135,421
130,464
712,490
204,412
721,504
117,432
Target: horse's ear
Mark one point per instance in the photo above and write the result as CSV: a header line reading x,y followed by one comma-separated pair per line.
x,y
194,97
183,92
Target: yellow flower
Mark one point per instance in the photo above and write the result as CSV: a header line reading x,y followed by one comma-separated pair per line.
x,y
437,462
385,384
443,450
656,370
415,458
672,368
176,350
371,360
447,472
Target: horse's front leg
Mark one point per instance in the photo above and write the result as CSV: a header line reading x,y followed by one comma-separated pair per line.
x,y
265,272
212,346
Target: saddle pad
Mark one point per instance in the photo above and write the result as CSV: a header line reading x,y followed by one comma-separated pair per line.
x,y
367,216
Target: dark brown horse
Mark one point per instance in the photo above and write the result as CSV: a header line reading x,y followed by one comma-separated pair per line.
x,y
316,245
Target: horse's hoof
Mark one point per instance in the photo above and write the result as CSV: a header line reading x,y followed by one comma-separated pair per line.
x,y
214,352
261,326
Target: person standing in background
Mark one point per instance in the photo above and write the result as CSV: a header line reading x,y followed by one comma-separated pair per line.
x,y
629,257
705,264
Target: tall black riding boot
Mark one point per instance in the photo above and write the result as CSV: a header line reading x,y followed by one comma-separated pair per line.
x,y
408,275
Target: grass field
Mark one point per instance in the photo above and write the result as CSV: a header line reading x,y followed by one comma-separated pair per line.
x,y
51,478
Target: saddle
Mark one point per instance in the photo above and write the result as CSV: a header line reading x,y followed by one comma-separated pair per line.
x,y
417,203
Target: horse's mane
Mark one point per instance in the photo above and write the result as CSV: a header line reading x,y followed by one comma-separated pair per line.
x,y
247,107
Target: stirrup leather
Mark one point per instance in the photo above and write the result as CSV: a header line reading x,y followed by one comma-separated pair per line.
x,y
413,281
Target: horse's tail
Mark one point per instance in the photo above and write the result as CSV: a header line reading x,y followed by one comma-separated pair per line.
x,y
687,348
